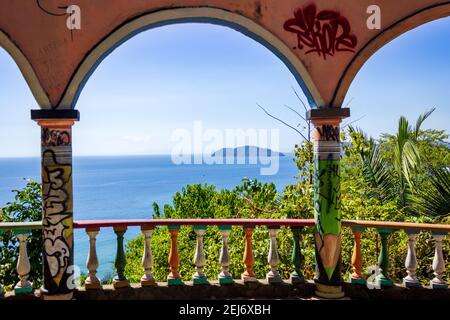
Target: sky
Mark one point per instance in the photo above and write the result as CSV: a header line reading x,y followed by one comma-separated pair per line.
x,y
173,78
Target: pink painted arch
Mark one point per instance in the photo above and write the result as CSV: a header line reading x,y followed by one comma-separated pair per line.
x,y
408,23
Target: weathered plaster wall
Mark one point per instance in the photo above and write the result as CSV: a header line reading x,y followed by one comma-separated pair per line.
x,y
55,52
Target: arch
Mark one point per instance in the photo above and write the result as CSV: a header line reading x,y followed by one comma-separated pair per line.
x,y
26,69
387,35
184,15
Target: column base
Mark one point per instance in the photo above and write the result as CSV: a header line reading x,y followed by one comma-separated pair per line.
x,y
23,290
118,284
63,296
148,283
329,292
175,282
382,281
226,280
202,280
92,285
248,278
273,279
357,281
411,283
437,285
297,279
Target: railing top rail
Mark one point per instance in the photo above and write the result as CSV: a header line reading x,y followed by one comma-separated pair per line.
x,y
397,225
193,222
21,225
257,222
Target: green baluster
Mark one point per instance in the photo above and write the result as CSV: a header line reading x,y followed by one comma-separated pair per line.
x,y
120,281
383,279
298,259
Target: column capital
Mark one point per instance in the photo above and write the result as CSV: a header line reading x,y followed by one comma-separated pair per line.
x,y
55,118
327,115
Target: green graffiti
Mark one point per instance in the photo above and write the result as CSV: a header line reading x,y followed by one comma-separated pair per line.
x,y
327,195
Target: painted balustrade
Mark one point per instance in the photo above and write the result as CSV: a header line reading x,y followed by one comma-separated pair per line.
x,y
384,229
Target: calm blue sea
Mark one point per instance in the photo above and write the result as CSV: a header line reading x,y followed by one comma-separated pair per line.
x,y
125,188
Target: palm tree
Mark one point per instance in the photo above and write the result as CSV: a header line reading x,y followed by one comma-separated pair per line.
x,y
406,161
393,176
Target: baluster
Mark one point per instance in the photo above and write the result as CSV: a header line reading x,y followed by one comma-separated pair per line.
x,y
273,276
248,275
23,264
410,281
297,258
383,279
174,260
357,261
147,258
199,276
120,281
438,262
225,276
92,282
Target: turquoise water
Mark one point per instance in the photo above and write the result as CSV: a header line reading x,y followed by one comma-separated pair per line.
x,y
126,187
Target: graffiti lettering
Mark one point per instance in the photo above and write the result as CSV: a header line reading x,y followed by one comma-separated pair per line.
x,y
52,138
329,133
57,207
325,32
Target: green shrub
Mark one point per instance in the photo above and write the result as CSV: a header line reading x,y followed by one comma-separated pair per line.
x,y
25,207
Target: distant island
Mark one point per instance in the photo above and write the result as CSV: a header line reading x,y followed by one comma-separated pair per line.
x,y
246,151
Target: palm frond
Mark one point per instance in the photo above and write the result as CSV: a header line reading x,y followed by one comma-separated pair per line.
x,y
435,201
377,174
420,121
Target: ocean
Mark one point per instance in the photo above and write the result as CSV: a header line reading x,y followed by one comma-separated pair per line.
x,y
124,187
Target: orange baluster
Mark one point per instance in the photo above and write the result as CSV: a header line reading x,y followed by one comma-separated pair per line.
x,y
357,257
174,259
249,259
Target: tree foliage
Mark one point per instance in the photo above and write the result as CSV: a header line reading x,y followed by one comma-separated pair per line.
x,y
25,207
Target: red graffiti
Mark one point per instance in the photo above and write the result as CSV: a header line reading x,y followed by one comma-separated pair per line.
x,y
325,32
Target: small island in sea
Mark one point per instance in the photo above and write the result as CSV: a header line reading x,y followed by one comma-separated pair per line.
x,y
246,151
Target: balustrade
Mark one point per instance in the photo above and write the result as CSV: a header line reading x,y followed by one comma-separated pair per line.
x,y
92,228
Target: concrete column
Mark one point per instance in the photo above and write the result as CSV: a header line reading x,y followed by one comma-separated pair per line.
x,y
327,193
57,201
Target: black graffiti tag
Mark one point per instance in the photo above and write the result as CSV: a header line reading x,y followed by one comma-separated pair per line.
x,y
329,133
